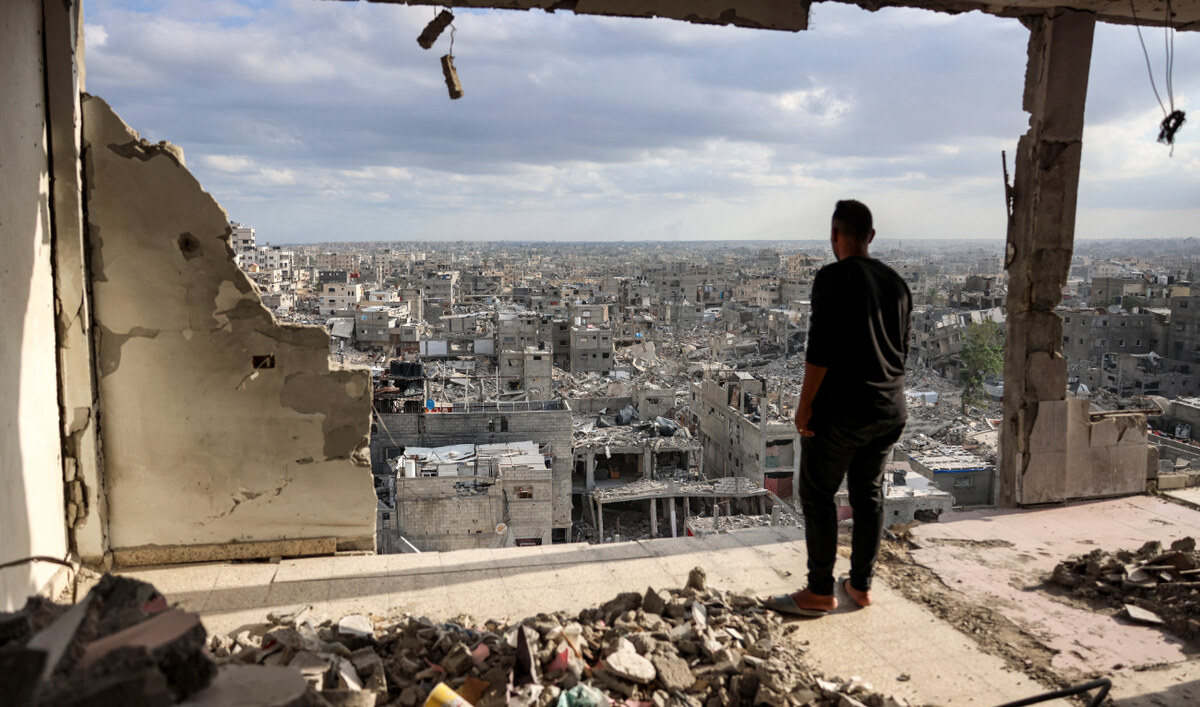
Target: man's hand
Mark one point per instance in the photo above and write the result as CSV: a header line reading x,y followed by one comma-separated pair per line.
x,y
813,376
803,417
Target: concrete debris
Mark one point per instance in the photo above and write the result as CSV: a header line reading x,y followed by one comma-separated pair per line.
x,y
1150,585
119,645
690,647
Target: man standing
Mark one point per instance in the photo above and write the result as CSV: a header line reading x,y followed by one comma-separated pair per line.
x,y
852,407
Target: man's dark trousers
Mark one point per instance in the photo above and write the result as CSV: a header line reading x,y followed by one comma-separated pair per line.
x,y
859,452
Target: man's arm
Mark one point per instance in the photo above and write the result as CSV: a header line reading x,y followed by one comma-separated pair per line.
x,y
813,375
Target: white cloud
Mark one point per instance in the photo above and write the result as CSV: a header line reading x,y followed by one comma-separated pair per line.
x,y
96,35
298,114
232,164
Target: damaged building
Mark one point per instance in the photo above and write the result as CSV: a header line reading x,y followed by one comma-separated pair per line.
x,y
467,496
546,424
747,431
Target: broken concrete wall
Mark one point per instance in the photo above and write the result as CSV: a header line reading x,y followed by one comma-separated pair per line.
x,y
440,429
1072,457
435,517
85,500
219,424
529,502
31,474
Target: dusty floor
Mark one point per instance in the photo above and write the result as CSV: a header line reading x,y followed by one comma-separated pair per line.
x,y
960,617
999,562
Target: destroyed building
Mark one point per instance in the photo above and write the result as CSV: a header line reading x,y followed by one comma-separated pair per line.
x,y
467,496
747,431
967,477
544,423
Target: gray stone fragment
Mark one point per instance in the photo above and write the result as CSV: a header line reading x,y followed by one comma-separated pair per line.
x,y
673,671
653,602
628,665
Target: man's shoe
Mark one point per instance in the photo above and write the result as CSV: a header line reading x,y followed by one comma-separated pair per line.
x,y
861,598
802,603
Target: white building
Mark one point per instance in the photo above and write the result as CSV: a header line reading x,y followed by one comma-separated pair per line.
x,y
242,240
337,296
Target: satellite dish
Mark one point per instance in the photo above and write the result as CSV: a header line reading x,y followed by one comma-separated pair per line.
x,y
501,528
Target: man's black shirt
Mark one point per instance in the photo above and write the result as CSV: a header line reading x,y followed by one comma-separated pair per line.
x,y
859,330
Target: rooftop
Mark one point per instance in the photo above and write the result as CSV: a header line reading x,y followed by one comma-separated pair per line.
x,y
963,614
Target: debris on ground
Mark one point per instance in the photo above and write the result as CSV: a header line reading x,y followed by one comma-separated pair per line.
x,y
1152,585
120,645
986,625
691,647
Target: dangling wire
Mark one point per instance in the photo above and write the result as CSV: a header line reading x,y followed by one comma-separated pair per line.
x,y
1173,119
453,29
1169,48
1149,70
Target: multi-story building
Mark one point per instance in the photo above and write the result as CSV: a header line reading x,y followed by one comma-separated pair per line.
x,y
591,350
546,423
350,262
746,431
241,239
529,370
517,331
801,266
1113,290
441,288
1088,334
336,296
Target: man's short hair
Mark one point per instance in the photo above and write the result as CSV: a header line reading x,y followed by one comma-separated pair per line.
x,y
853,219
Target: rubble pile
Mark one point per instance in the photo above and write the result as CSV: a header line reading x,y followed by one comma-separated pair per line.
x,y
739,521
690,647
1149,586
120,645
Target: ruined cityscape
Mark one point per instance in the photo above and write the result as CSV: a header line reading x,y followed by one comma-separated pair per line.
x,y
541,392
598,388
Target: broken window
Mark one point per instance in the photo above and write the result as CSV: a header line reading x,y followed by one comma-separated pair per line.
x,y
523,492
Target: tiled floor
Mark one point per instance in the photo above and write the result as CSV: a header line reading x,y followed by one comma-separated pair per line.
x,y
893,639
1004,558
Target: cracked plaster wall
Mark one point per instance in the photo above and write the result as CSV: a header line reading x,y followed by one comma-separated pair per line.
x,y
31,473
200,447
1072,457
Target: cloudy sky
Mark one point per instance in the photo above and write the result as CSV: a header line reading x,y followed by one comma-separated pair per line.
x,y
322,121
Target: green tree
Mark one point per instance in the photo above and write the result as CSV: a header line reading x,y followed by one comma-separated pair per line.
x,y
982,355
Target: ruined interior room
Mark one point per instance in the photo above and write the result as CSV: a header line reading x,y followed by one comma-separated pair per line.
x,y
112,459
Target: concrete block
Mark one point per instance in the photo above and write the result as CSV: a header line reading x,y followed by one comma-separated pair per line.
x,y
1172,480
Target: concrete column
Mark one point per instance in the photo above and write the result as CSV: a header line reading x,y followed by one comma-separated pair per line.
x,y
590,466
600,519
654,517
647,463
674,531
1041,230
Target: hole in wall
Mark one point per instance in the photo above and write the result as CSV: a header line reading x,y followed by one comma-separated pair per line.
x,y
189,245
266,361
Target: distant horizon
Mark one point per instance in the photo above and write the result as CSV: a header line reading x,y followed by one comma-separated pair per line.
x,y
879,242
